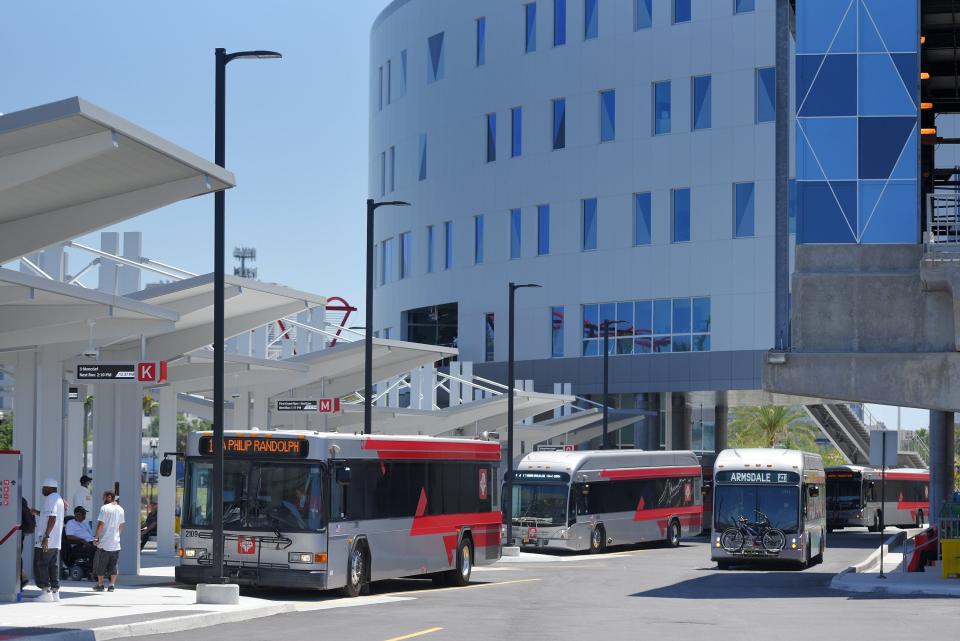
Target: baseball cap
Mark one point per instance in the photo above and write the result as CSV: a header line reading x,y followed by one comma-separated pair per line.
x,y
50,482
80,508
85,478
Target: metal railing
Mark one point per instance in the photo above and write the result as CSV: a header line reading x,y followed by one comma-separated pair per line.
x,y
942,225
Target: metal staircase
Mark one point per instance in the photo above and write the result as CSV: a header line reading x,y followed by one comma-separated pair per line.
x,y
851,435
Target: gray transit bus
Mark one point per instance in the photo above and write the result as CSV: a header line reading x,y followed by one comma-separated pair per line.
x,y
854,496
324,510
586,500
768,504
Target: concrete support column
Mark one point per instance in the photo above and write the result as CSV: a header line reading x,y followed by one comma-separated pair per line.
x,y
167,486
680,426
720,423
261,407
73,463
241,411
941,460
648,430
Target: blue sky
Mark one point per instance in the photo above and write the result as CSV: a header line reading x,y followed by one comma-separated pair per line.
x,y
296,128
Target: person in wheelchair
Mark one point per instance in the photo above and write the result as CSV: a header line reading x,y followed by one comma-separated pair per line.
x,y
79,548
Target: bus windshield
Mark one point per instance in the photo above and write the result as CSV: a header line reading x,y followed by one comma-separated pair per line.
x,y
542,504
844,495
257,495
779,502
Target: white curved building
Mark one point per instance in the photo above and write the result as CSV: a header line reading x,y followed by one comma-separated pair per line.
x,y
620,153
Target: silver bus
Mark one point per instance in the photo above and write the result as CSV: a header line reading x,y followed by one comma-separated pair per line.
x,y
768,504
854,497
323,510
587,500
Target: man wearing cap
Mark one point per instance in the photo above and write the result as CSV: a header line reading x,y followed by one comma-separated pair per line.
x,y
79,533
46,555
83,497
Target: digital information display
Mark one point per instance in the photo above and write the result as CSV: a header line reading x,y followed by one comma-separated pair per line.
x,y
107,372
254,446
759,477
529,476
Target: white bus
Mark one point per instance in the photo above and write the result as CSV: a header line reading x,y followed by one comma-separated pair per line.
x,y
324,510
768,504
854,497
587,500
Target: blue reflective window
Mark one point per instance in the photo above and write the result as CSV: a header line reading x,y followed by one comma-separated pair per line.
x,y
623,331
681,343
559,23
383,173
435,57
642,14
491,137
431,242
406,254
642,217
488,336
701,315
702,102
556,332
662,316
516,228
448,244
681,11
388,262
530,17
392,168
608,115
478,239
543,230
516,131
389,74
380,92
403,73
743,6
589,228
422,167
481,58
559,123
643,317
681,315
681,215
661,107
766,88
591,27
743,216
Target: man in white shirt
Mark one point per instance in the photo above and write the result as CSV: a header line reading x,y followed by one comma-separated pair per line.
x,y
110,523
78,532
46,556
83,497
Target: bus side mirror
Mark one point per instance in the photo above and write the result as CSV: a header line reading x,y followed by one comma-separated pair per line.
x,y
166,467
343,475
813,490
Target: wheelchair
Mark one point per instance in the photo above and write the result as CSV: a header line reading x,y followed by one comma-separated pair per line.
x,y
76,560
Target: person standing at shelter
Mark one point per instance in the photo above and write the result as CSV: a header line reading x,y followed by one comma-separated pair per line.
x,y
83,497
110,525
28,525
46,555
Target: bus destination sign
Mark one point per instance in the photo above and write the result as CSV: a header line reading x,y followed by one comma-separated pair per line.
x,y
255,446
536,476
759,477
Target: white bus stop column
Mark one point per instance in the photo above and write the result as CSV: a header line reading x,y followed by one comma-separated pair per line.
x,y
241,411
167,486
49,413
261,406
73,447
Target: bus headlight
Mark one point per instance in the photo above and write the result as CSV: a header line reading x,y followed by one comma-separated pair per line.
x,y
300,557
793,543
194,553
717,542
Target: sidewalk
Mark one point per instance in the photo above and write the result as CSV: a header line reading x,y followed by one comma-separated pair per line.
x,y
865,576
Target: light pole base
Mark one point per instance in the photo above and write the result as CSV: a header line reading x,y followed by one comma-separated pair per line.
x,y
218,593
510,550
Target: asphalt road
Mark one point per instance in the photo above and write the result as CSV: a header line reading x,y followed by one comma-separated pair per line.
x,y
630,593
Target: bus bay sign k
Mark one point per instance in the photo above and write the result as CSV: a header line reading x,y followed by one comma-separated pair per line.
x,y
321,405
143,372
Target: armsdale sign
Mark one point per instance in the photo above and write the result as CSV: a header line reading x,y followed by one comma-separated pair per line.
x,y
731,476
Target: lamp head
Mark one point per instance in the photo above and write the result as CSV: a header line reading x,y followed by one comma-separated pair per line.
x,y
258,54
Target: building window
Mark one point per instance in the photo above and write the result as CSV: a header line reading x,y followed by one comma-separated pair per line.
x,y
652,326
403,73
543,230
516,229
380,92
642,14
430,244
422,166
559,23
556,332
383,173
406,255
588,234
642,229
591,27
766,90
743,225
389,74
491,137
388,259
743,6
530,18
702,102
478,239
559,123
681,11
435,58
608,115
481,42
488,336
392,166
448,244
681,216
661,107
516,131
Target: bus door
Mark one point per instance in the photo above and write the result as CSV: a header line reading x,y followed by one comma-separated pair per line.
x,y
340,531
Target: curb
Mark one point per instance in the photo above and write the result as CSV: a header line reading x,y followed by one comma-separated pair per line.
x,y
874,558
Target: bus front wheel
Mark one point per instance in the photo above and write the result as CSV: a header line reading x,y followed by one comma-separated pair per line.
x,y
673,534
459,576
356,573
597,540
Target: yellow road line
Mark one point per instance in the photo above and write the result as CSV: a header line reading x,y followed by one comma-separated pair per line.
x,y
465,587
415,634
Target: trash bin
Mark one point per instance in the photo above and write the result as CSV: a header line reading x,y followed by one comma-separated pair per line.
x,y
950,561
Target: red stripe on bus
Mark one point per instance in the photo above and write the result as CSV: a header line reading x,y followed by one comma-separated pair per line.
x,y
912,505
649,473
908,476
667,512
449,526
395,449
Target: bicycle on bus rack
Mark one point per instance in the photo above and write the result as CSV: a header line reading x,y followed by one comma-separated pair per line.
x,y
771,539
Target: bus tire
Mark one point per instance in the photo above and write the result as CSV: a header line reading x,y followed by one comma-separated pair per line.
x,y
598,540
356,572
919,520
817,560
723,565
673,534
459,576
876,523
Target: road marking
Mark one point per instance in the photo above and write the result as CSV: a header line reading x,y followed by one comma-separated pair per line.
x,y
415,634
465,587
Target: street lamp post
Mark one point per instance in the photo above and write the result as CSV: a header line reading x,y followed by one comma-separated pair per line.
x,y
605,328
219,257
372,206
511,384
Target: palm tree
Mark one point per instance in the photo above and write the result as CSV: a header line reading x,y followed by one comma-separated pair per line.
x,y
773,426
